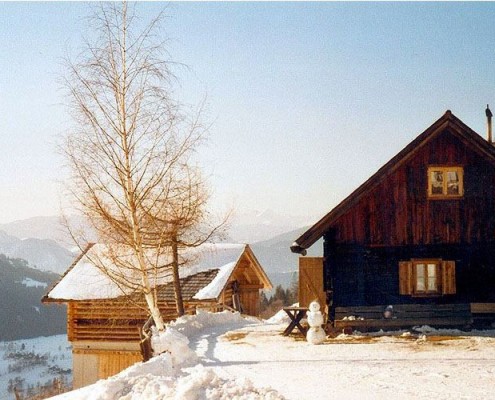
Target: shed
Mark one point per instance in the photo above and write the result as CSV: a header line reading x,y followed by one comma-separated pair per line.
x,y
418,235
103,324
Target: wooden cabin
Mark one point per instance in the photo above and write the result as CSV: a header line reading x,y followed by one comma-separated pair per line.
x,y
418,235
103,325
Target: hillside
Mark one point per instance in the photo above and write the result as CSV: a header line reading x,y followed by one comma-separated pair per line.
x,y
23,315
32,365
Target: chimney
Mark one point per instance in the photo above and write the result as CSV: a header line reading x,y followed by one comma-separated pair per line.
x,y
489,123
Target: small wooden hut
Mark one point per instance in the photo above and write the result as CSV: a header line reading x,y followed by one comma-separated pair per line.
x,y
418,235
103,325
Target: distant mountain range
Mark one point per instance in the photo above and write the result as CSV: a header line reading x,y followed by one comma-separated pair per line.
x,y
254,226
278,261
22,314
34,252
248,226
43,254
49,227
46,241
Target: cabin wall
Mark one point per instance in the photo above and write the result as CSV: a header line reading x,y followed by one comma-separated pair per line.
x,y
99,360
249,288
360,276
396,221
398,212
110,320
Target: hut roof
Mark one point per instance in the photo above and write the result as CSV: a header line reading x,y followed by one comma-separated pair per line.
x,y
448,121
204,278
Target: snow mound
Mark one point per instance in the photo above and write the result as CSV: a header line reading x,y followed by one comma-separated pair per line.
x,y
157,380
175,373
175,343
204,383
192,325
279,318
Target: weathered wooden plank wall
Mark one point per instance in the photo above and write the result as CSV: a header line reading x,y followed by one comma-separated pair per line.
x,y
398,211
110,320
369,276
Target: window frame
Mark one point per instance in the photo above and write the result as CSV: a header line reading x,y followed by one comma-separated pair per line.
x,y
445,170
438,277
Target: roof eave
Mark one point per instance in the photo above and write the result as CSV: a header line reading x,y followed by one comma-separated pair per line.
x,y
46,298
298,249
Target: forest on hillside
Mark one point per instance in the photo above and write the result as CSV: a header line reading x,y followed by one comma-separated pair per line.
x,y
21,312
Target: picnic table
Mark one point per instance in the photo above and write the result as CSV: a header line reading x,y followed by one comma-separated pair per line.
x,y
296,314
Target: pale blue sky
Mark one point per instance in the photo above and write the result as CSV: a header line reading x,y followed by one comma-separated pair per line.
x,y
307,100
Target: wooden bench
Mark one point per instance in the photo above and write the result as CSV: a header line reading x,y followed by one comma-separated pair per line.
x,y
483,314
404,316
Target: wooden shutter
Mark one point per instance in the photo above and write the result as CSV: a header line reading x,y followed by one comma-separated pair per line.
x,y
405,277
448,277
311,281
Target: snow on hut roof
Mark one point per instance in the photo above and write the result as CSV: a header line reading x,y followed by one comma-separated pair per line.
x,y
85,281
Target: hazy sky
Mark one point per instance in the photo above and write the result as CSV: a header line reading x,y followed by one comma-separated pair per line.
x,y
307,100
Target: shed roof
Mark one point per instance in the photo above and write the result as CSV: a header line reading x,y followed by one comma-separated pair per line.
x,y
190,286
447,121
204,279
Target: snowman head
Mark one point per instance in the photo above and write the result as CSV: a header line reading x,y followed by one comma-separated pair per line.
x,y
314,306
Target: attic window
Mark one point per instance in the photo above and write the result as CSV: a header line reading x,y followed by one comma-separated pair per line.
x,y
445,182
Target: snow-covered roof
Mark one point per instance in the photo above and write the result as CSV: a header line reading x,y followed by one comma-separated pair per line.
x,y
85,281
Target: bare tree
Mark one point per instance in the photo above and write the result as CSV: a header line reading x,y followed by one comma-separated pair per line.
x,y
130,155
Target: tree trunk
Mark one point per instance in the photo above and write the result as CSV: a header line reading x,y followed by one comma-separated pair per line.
x,y
175,271
155,311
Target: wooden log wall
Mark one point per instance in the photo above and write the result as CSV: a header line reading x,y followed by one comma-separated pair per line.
x,y
107,320
398,211
120,319
363,275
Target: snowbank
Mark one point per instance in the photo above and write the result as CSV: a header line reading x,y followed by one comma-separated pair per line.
x,y
176,373
175,344
280,317
157,379
193,325
204,383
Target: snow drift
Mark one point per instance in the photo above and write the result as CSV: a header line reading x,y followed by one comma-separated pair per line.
x,y
176,373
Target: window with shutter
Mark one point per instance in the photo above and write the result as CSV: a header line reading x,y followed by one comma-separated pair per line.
x,y
405,278
448,277
426,277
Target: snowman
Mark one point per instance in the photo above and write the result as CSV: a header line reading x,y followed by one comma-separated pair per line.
x,y
316,334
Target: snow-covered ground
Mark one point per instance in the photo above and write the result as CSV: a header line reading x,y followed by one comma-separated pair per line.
x,y
31,363
250,359
362,367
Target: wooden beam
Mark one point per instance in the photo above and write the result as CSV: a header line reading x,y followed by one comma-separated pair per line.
x,y
246,275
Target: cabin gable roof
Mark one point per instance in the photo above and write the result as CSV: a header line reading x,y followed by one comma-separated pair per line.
x,y
448,122
206,279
